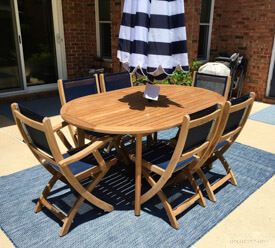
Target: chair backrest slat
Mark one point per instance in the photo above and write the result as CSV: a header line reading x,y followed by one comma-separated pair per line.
x,y
115,81
219,84
72,89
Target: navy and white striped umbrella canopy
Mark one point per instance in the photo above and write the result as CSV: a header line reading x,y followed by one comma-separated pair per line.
x,y
152,37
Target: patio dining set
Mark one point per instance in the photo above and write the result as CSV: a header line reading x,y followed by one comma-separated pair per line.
x,y
109,120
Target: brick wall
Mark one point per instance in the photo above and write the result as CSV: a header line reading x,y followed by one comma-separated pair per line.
x,y
80,33
246,26
192,19
116,7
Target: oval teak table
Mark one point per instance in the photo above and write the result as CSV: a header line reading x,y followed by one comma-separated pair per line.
x,y
126,111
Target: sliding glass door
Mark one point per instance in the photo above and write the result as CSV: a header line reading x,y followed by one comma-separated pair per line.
x,y
10,71
36,22
30,54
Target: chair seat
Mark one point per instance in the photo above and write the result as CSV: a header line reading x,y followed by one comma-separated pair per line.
x,y
160,155
86,163
221,144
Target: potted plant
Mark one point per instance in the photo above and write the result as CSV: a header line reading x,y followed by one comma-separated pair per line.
x,y
178,77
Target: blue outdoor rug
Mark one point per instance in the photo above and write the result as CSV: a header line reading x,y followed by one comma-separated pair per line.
x,y
121,228
266,115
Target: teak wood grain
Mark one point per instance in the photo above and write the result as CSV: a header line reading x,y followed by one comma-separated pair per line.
x,y
125,111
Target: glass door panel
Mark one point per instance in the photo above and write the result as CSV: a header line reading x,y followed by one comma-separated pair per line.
x,y
9,51
272,85
36,22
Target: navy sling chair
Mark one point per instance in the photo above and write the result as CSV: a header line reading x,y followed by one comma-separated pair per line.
x,y
219,84
115,81
89,163
235,115
72,89
168,159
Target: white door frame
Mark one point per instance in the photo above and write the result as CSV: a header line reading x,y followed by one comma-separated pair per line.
x,y
59,38
210,28
60,51
19,45
271,68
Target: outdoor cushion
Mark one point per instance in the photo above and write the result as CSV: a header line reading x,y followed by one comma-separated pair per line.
x,y
85,163
160,155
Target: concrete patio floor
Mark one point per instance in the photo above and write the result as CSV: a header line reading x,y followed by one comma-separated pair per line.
x,y
252,224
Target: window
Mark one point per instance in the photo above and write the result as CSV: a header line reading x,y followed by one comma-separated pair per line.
x,y
103,28
206,21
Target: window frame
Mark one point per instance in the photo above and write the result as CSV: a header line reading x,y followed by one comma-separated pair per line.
x,y
210,26
98,34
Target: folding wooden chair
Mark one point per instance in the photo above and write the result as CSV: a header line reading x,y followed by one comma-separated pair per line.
x,y
235,115
72,89
115,81
71,167
219,84
196,135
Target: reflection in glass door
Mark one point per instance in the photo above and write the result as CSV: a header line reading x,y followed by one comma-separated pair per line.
x,y
9,51
36,22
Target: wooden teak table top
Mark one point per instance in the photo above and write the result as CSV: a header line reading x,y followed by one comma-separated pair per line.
x,y
125,111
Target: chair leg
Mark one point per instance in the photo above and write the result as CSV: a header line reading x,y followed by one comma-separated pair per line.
x,y
122,151
227,169
155,137
149,140
229,177
169,210
196,188
152,139
80,137
45,193
69,219
207,185
210,166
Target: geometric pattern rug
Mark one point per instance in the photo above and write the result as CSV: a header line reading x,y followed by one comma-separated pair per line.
x,y
120,228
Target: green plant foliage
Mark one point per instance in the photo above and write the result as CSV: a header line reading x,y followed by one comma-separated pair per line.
x,y
178,77
42,56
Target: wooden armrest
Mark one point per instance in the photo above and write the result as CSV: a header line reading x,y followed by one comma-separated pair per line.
x,y
85,152
60,126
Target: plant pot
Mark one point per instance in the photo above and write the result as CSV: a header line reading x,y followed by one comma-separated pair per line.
x,y
151,92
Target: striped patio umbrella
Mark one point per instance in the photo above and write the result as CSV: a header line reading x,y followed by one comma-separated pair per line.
x,y
152,37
